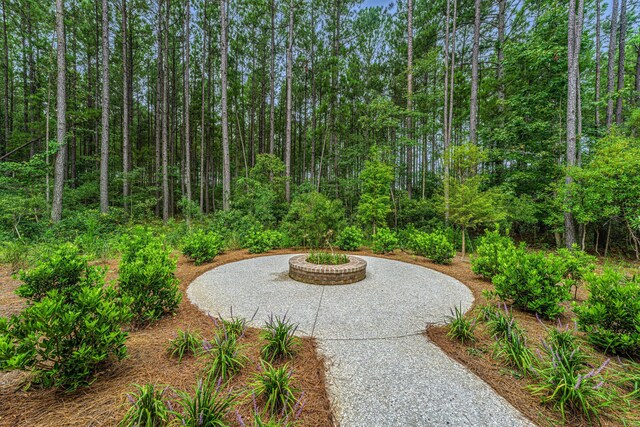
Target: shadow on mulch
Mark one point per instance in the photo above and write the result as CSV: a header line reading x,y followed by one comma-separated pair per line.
x,y
104,402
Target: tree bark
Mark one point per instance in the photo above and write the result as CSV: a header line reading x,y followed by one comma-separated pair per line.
x,y
187,99
598,54
287,149
226,167
125,109
473,101
272,81
61,113
104,136
410,97
165,115
611,62
4,147
621,57
202,109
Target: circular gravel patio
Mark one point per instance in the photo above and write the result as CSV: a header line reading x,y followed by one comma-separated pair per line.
x,y
382,371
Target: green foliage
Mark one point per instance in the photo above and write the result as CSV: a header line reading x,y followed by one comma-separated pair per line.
x,y
513,349
259,241
460,327
185,343
327,258
275,386
384,241
489,247
65,270
201,246
313,219
611,314
576,264
350,238
65,338
225,357
499,322
375,200
147,408
15,253
147,277
434,246
206,407
533,281
279,334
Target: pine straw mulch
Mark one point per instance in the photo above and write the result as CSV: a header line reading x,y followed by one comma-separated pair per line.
x,y
105,401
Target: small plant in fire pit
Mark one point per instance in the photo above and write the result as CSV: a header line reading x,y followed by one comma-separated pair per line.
x,y
326,258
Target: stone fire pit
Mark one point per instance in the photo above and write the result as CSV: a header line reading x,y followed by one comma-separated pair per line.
x,y
320,274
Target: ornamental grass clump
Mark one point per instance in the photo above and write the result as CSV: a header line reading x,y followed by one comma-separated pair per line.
x,y
513,350
225,357
207,406
275,386
326,258
185,343
148,407
281,342
461,328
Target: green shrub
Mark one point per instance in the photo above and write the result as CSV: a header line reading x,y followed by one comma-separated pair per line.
x,y
434,246
532,281
313,219
384,241
201,246
147,277
576,264
147,407
207,407
461,328
326,258
65,270
184,343
274,385
15,253
350,238
485,261
260,241
65,338
279,335
611,315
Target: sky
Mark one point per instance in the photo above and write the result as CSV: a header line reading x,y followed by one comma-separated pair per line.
x,y
368,3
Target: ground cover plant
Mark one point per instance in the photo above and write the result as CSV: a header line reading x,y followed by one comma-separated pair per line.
x,y
280,339
184,344
327,258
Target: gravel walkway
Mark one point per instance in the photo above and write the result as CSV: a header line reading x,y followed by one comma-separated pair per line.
x,y
382,371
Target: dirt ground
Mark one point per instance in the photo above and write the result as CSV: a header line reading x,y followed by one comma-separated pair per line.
x,y
105,401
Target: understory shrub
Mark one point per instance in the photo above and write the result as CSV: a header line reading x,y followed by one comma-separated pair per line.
x,y
611,314
66,337
384,241
313,220
485,261
434,246
147,277
532,281
575,264
65,270
350,238
259,241
201,246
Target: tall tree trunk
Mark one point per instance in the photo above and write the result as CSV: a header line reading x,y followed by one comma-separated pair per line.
x,y
287,149
165,115
272,81
622,37
226,166
202,109
125,109
314,95
598,54
611,62
159,113
104,136
445,120
4,147
187,99
638,75
61,113
473,102
410,97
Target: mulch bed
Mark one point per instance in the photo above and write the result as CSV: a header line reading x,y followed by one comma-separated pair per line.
x,y
105,401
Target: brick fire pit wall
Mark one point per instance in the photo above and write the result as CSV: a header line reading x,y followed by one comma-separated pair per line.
x,y
319,274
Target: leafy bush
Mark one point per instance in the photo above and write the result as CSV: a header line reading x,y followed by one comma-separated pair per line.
x,y
326,258
486,262
576,264
207,407
260,241
15,253
184,343
533,281
65,338
461,328
280,336
274,385
201,246
147,407
350,238
384,241
611,315
434,246
65,270
225,357
313,219
147,277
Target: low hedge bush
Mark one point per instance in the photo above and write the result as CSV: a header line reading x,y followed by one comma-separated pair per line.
x,y
434,246
201,246
485,261
384,241
259,241
350,238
